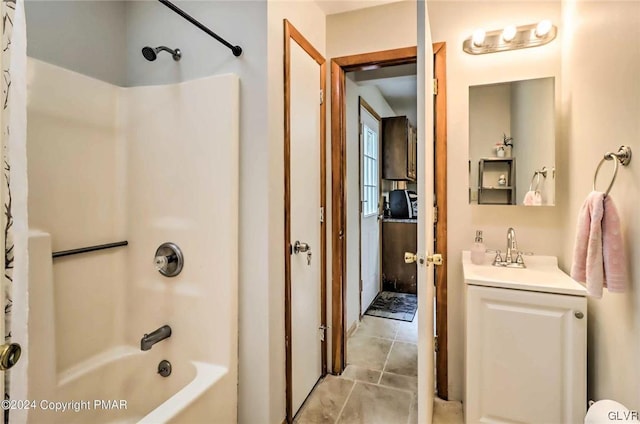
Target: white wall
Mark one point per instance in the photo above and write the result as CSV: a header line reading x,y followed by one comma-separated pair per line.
x,y
538,229
601,106
374,98
74,195
86,36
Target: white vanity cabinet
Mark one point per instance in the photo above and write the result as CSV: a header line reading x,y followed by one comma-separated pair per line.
x,y
525,350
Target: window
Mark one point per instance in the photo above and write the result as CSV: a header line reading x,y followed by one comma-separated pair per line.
x,y
370,178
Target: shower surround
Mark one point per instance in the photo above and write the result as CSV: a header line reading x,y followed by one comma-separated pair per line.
x,y
148,165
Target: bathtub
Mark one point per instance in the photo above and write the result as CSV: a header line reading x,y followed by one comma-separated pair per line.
x,y
123,386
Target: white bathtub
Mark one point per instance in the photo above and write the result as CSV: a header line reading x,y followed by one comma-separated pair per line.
x,y
123,386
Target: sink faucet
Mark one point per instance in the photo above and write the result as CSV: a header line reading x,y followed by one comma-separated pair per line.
x,y
513,257
148,340
512,245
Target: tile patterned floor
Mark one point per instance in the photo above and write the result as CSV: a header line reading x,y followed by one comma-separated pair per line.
x,y
380,382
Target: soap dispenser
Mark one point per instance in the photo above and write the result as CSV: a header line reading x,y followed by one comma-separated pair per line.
x,y
478,249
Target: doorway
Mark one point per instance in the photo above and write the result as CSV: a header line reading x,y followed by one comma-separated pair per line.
x,y
369,125
305,235
339,68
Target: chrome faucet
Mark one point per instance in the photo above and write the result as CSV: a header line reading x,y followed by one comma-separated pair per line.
x,y
148,340
512,245
513,257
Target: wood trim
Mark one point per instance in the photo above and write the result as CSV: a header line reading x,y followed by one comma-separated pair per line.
x,y
369,109
291,33
368,61
440,165
339,67
337,217
287,219
361,104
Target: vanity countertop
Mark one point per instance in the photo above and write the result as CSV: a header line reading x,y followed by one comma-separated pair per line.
x,y
400,220
541,275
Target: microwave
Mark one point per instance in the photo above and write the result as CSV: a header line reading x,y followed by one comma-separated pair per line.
x,y
403,204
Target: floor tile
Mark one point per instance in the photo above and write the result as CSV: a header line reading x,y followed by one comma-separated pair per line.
x,y
413,413
447,412
399,381
377,327
355,372
326,401
407,334
372,404
403,359
368,352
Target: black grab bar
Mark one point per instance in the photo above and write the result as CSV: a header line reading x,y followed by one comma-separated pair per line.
x,y
88,249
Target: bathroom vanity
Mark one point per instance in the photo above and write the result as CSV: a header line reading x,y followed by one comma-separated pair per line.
x,y
525,347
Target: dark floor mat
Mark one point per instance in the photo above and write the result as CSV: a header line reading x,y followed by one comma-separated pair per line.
x,y
400,306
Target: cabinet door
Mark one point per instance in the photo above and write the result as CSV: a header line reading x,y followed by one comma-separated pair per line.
x,y
525,357
396,148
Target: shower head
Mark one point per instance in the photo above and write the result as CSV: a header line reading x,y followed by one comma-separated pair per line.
x,y
151,53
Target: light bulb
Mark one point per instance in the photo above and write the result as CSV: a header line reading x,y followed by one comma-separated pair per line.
x,y
543,28
478,37
509,33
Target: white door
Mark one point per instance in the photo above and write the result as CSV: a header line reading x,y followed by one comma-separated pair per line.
x,y
306,365
370,209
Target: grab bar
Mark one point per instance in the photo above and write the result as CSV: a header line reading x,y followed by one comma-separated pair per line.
x,y
88,249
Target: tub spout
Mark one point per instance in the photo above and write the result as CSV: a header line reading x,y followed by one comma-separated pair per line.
x,y
148,340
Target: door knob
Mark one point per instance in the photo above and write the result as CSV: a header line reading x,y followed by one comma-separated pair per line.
x,y
410,258
300,247
9,355
435,259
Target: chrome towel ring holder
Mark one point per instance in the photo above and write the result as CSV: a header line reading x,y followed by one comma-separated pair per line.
x,y
623,156
542,172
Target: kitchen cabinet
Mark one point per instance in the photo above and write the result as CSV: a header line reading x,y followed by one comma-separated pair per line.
x,y
525,356
399,236
490,192
399,149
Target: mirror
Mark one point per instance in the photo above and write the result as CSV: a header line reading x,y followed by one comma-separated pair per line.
x,y
512,143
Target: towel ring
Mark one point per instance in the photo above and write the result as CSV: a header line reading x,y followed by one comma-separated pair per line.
x,y
543,172
623,156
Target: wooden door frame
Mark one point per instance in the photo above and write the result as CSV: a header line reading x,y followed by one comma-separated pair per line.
x,y
292,34
440,178
362,103
339,67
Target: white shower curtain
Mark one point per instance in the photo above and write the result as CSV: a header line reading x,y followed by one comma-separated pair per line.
x,y
14,176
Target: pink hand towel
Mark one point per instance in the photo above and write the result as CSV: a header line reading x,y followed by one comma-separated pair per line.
x,y
598,258
615,258
532,198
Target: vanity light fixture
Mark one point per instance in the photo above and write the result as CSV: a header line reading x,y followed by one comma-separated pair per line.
x,y
509,33
478,37
510,38
543,28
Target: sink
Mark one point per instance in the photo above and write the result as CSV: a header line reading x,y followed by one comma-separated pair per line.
x,y
541,275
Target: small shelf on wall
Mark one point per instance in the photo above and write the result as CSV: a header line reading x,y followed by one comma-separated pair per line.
x,y
490,170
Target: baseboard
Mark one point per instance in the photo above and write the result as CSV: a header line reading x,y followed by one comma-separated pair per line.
x,y
353,328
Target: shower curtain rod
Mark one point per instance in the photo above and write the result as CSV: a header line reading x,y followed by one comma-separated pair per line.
x,y
89,249
237,50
